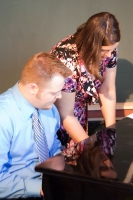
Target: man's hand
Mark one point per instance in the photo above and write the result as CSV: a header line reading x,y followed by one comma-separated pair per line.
x,y
41,192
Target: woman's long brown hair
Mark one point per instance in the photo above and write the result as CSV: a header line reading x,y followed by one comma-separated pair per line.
x,y
101,29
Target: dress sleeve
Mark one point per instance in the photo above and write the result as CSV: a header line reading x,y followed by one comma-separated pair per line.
x,y
73,151
107,137
68,57
113,60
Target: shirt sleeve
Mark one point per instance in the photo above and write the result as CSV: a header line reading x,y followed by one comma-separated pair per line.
x,y
13,184
113,60
56,148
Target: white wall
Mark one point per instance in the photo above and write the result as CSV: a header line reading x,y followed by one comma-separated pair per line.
x,y
30,26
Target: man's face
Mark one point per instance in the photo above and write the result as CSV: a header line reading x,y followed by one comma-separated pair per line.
x,y
46,96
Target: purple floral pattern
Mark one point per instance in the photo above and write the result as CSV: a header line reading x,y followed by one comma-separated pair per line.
x,y
73,151
81,81
108,139
105,137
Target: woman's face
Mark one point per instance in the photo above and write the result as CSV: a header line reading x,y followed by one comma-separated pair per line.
x,y
107,50
104,165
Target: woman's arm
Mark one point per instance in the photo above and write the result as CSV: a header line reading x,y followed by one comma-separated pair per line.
x,y
65,106
107,95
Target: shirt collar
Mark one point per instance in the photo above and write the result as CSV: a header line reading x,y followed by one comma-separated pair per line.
x,y
26,108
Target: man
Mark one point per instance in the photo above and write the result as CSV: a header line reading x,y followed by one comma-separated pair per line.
x,y
41,82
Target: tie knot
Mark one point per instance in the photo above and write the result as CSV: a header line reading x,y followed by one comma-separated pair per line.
x,y
35,113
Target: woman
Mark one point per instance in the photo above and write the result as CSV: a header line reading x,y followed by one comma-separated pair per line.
x,y
91,54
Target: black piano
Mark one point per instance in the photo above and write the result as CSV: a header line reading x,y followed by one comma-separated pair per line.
x,y
71,177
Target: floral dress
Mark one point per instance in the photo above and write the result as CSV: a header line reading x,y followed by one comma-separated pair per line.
x,y
81,81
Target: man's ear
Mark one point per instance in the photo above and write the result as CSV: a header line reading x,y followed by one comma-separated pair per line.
x,y
33,89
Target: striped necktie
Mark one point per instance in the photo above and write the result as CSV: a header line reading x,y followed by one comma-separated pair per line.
x,y
40,137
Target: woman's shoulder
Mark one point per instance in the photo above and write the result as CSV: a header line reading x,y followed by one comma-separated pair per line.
x,y
66,51
66,44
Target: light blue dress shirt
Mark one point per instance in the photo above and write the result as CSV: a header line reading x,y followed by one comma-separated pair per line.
x,y
18,150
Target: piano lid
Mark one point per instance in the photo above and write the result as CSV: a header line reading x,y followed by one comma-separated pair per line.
x,y
107,154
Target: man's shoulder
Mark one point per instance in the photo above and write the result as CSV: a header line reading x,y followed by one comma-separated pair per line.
x,y
7,103
6,98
